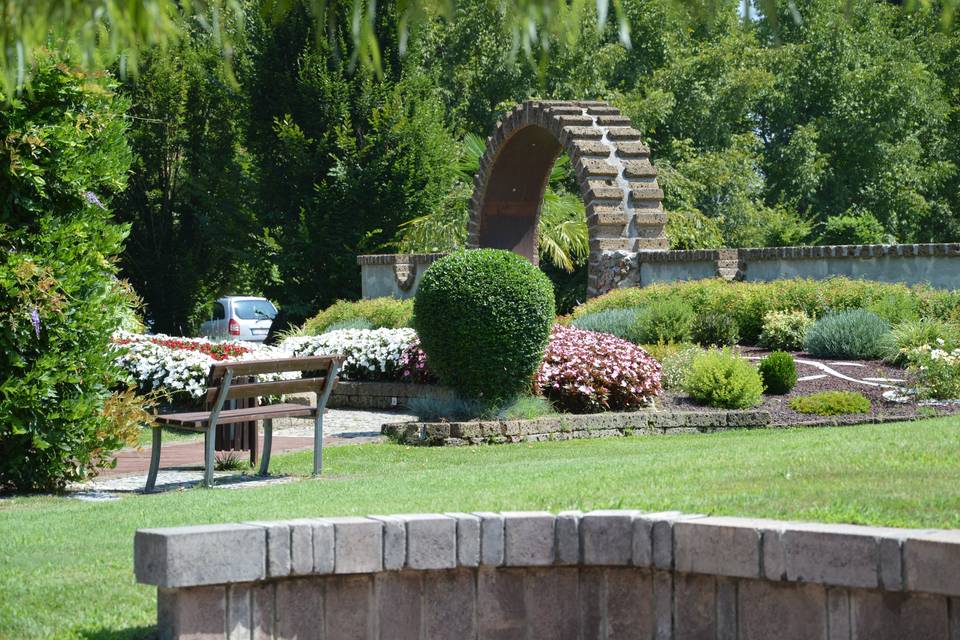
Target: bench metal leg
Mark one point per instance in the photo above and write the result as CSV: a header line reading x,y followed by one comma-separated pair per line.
x,y
208,456
267,442
318,443
154,460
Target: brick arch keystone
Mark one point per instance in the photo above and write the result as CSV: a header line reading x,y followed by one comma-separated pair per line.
x,y
618,182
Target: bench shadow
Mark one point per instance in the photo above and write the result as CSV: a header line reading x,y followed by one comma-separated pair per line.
x,y
131,633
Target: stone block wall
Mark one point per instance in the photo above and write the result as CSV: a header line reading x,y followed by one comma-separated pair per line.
x,y
603,574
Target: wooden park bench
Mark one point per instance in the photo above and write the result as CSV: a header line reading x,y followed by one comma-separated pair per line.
x,y
323,376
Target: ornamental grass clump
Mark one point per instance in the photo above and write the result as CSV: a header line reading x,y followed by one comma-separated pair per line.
x,y
484,317
712,329
588,372
617,322
722,379
779,372
380,313
848,334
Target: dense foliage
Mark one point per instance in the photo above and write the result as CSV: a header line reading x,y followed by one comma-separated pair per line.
x,y
778,372
381,313
64,155
719,378
854,333
831,403
750,302
784,330
715,330
484,318
588,372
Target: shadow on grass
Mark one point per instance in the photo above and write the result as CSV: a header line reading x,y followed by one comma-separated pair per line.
x,y
132,633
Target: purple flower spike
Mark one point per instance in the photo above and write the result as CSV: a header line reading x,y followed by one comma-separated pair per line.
x,y
92,198
35,321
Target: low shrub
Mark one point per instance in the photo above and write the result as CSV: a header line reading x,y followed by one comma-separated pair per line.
x,y
713,329
484,317
749,302
848,334
588,372
676,366
381,313
785,330
778,372
663,321
446,408
663,350
913,334
617,322
722,379
526,408
353,323
936,371
831,403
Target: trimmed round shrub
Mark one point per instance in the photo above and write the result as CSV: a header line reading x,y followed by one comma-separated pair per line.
x,y
589,372
380,313
778,372
831,403
616,322
722,379
715,330
784,330
663,321
484,317
848,334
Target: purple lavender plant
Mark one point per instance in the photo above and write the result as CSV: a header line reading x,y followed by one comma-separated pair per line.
x,y
35,321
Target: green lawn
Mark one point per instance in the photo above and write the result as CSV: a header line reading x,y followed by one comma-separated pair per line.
x,y
66,566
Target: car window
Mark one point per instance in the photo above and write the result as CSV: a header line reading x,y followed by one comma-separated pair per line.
x,y
218,312
254,309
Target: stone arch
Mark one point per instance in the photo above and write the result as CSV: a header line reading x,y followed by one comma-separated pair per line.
x,y
618,183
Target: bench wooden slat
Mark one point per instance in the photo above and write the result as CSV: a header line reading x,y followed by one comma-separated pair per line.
x,y
274,388
277,365
201,419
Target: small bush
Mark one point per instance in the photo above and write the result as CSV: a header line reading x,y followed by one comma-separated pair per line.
x,y
912,334
361,324
381,313
484,317
663,321
936,371
722,379
676,366
617,322
446,408
663,350
785,330
778,372
831,403
715,330
587,372
848,334
526,408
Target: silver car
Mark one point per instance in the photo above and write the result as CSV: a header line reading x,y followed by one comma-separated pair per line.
x,y
240,318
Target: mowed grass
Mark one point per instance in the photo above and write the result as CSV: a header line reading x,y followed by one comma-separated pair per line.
x,y
66,568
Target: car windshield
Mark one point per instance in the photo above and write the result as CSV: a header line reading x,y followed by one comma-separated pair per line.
x,y
255,309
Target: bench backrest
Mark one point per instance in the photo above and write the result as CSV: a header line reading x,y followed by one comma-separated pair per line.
x,y
319,368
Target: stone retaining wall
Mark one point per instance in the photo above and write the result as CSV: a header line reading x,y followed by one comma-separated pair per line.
x,y
934,264
570,426
380,395
604,574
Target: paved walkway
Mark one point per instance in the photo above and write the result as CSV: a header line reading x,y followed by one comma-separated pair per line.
x,y
181,463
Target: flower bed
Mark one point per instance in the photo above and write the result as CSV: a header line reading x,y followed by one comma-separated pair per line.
x,y
381,355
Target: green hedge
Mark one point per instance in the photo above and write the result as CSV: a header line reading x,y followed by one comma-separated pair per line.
x,y
64,155
381,313
749,302
483,317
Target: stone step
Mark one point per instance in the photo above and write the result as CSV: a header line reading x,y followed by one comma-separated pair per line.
x,y
628,134
650,219
580,133
607,216
639,169
595,167
645,194
613,121
605,110
632,149
592,148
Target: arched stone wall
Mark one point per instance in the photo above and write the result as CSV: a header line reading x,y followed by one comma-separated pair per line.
x,y
618,183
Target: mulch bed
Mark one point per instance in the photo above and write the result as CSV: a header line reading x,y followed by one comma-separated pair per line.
x,y
785,416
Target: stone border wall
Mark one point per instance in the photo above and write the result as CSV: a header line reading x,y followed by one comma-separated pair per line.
x,y
935,264
603,574
380,395
572,426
